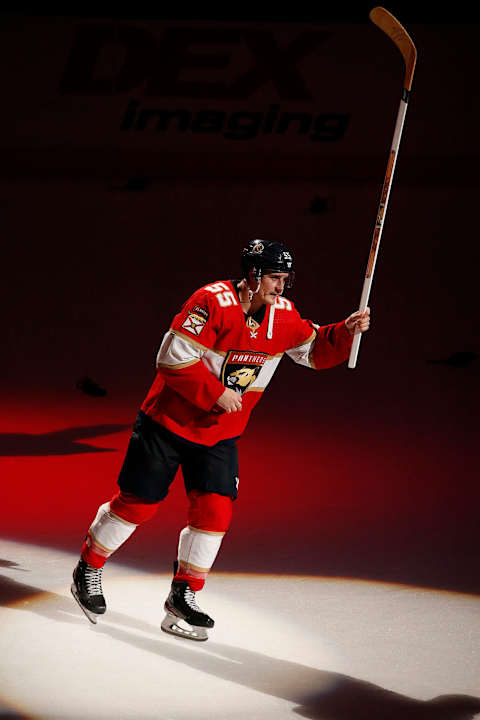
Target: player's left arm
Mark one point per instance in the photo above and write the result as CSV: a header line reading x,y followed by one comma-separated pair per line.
x,y
358,322
325,346
333,342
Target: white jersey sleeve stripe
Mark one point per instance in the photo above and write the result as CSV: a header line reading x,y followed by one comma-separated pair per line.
x,y
189,339
177,366
214,361
176,351
301,353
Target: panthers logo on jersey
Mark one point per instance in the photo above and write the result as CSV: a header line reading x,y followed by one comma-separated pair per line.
x,y
241,369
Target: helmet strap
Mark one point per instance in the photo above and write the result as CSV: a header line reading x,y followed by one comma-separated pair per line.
x,y
251,293
246,284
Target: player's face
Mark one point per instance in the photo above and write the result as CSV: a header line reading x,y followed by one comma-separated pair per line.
x,y
272,284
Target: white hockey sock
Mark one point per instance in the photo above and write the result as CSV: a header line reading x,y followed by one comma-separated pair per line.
x,y
108,531
197,550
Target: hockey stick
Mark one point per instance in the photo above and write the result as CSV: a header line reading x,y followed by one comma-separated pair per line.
x,y
390,25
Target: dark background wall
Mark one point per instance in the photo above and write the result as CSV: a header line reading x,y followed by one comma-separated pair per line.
x,y
107,230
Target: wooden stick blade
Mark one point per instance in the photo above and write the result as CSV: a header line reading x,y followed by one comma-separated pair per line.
x,y
397,33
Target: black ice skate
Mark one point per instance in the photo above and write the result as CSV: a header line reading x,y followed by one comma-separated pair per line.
x,y
87,590
182,608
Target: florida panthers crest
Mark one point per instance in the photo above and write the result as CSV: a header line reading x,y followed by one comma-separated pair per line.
x,y
241,369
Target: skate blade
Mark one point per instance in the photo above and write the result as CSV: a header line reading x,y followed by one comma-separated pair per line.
x,y
91,616
176,626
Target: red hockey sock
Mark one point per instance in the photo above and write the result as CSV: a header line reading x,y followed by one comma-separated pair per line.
x,y
132,508
90,556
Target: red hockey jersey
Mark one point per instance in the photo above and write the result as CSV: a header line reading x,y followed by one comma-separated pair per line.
x,y
212,345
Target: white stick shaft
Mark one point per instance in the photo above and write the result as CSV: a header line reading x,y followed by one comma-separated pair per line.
x,y
377,233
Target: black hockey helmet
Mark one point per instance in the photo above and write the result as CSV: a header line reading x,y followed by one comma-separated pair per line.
x,y
264,256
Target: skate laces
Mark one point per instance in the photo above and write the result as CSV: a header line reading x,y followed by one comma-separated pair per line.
x,y
189,597
93,580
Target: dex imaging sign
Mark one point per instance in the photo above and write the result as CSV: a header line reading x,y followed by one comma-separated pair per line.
x,y
207,74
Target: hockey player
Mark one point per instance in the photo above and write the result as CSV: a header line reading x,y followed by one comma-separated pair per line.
x,y
213,366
